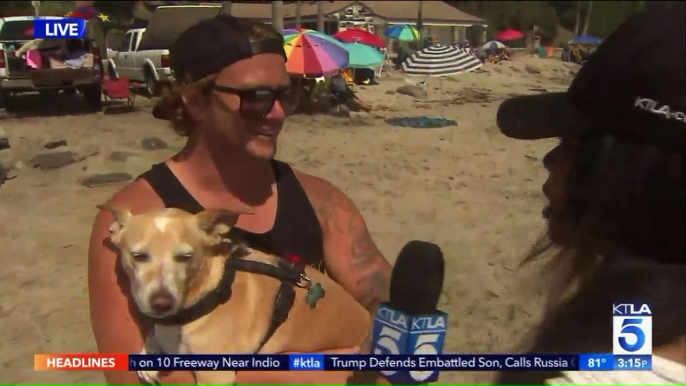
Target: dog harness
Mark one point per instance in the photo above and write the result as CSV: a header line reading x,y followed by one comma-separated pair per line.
x,y
290,275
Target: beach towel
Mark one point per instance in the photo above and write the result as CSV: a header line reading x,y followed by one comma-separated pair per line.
x,y
34,59
421,122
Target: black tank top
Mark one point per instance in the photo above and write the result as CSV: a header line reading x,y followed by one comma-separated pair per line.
x,y
296,234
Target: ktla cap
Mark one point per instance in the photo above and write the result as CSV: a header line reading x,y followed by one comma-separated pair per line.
x,y
633,84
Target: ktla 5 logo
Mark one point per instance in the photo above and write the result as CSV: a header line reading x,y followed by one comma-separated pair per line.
x,y
632,329
398,333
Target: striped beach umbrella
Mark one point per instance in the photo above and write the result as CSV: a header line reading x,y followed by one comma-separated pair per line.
x,y
312,55
439,60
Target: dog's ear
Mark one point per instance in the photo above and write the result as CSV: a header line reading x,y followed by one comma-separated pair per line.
x,y
216,222
121,217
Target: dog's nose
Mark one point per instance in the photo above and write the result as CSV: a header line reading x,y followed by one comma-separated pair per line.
x,y
162,301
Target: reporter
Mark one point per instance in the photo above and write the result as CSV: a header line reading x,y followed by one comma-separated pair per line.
x,y
616,194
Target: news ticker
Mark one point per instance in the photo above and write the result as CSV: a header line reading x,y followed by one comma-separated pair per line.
x,y
307,362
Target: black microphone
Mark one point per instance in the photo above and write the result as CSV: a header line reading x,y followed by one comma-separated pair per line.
x,y
409,323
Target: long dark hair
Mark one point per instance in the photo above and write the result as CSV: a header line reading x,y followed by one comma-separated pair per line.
x,y
626,204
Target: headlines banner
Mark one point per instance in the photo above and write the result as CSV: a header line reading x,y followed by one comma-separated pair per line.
x,y
312,362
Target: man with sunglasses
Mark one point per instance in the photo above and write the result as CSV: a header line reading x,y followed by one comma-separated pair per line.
x,y
231,97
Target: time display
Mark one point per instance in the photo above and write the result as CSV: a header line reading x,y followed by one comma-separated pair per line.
x,y
633,362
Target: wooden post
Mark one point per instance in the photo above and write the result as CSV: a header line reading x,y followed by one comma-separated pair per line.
x,y
226,8
36,8
321,25
420,24
298,14
277,15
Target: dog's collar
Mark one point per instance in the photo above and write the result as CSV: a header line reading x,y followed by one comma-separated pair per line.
x,y
289,274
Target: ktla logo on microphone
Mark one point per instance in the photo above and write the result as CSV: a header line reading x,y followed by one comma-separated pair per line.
x,y
632,332
396,333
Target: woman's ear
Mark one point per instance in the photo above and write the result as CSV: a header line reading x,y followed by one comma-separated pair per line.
x,y
196,103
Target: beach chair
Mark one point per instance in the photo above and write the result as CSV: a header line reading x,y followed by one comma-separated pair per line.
x,y
387,66
118,89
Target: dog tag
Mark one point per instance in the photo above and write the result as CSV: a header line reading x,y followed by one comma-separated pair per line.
x,y
314,293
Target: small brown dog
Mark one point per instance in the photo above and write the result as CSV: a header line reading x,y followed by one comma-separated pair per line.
x,y
176,261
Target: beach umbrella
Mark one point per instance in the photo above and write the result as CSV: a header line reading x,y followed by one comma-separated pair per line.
x,y
86,11
440,61
311,55
358,35
363,56
293,30
509,34
585,39
319,35
492,45
406,33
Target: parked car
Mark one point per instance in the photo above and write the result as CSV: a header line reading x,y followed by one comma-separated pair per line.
x,y
142,55
46,65
145,66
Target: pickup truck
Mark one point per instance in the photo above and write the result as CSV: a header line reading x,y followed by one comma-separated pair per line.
x,y
151,67
49,66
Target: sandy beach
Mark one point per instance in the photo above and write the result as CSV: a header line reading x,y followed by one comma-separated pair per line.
x,y
467,188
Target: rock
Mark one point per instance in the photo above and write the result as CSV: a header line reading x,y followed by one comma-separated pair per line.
x,y
153,143
48,161
120,156
55,144
98,180
413,91
531,69
4,141
341,111
390,92
3,174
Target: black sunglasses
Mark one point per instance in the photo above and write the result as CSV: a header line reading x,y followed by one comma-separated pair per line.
x,y
257,103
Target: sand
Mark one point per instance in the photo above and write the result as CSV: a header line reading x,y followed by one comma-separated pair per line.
x,y
472,191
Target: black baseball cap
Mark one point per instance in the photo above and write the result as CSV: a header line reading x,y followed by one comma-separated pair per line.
x,y
213,44
634,85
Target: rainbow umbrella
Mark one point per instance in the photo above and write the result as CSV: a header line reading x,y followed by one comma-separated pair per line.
x,y
294,31
406,33
312,55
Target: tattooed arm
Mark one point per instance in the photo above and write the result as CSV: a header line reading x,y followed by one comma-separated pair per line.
x,y
352,259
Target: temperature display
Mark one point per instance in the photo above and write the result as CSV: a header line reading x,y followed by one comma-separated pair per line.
x,y
596,362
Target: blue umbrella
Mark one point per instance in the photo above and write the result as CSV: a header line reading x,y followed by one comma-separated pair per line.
x,y
406,33
585,39
363,56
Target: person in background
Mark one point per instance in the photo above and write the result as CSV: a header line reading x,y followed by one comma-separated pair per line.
x,y
467,47
616,199
230,100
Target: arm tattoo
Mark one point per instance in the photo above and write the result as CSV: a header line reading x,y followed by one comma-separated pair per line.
x,y
362,250
366,266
